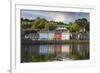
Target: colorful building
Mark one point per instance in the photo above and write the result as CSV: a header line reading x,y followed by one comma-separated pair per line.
x,y
83,36
33,36
74,36
43,36
51,35
65,36
57,36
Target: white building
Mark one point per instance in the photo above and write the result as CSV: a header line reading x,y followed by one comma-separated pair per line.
x,y
33,36
65,36
84,36
61,28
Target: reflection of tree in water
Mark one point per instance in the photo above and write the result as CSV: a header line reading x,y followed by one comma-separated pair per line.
x,y
77,56
79,52
40,58
27,52
25,56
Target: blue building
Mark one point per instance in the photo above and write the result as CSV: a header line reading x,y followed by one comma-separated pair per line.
x,y
43,36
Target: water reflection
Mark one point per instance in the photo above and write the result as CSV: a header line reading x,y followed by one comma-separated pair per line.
x,y
44,53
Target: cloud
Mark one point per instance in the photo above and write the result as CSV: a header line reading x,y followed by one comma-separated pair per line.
x,y
65,17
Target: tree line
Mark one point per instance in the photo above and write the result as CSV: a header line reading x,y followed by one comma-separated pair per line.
x,y
39,24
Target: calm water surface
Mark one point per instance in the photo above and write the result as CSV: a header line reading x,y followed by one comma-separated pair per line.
x,y
57,52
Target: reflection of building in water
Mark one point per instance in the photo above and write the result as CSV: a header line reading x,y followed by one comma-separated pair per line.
x,y
43,49
65,52
58,49
57,52
65,49
51,49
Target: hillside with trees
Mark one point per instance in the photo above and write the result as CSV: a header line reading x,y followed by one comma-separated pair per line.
x,y
41,24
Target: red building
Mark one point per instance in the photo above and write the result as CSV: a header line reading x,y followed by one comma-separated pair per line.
x,y
57,36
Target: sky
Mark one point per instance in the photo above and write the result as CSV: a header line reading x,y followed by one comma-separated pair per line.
x,y
65,17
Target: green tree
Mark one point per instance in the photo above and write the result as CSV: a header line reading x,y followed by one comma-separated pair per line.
x,y
36,22
46,26
52,27
83,24
40,24
73,27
